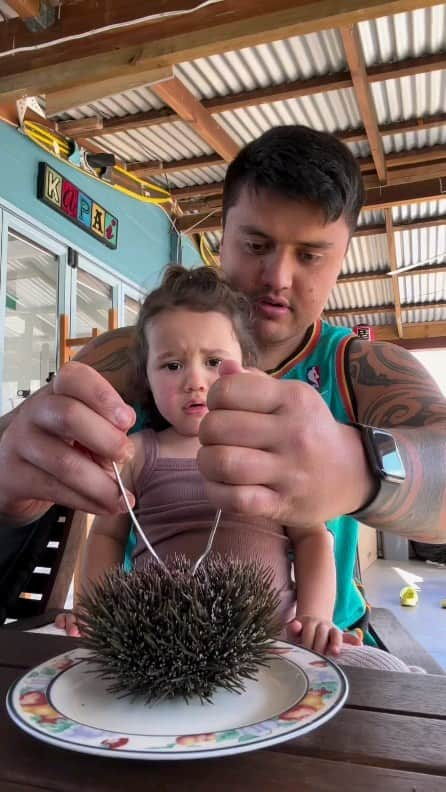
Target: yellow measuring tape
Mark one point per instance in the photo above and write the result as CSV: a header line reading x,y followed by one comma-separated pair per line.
x,y
58,145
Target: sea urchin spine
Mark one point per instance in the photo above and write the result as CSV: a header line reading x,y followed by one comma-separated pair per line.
x,y
160,634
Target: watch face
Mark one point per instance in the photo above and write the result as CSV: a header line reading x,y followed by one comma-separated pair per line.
x,y
391,464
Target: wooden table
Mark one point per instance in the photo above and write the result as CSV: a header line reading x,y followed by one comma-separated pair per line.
x,y
390,736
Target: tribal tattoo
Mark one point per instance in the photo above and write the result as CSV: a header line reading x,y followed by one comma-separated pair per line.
x,y
393,390
111,354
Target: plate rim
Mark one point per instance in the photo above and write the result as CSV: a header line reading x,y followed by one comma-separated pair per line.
x,y
193,752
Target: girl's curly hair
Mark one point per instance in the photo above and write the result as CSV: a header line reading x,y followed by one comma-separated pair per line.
x,y
201,289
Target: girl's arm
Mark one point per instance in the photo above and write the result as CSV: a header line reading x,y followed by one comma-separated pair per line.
x,y
109,534
105,548
106,541
315,574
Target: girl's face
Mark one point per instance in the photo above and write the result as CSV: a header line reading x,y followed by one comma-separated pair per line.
x,y
185,351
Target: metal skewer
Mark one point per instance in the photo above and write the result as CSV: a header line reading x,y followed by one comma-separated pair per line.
x,y
144,538
210,541
140,531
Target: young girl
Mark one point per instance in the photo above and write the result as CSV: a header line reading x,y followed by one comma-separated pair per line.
x,y
186,327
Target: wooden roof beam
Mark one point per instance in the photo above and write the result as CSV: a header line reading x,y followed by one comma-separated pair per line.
x,y
418,335
214,223
84,89
400,194
174,93
200,222
384,309
164,41
393,263
377,276
154,168
26,9
414,184
153,117
356,62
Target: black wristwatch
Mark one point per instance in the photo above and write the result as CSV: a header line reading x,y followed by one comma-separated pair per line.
x,y
385,463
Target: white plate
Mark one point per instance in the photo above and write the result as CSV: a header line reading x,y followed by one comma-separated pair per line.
x,y
64,703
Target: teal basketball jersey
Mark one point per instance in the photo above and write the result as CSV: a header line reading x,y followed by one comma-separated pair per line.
x,y
320,363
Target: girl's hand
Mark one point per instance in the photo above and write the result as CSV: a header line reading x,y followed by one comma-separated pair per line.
x,y
67,622
314,633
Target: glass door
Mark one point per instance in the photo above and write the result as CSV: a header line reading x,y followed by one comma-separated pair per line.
x,y
95,298
32,280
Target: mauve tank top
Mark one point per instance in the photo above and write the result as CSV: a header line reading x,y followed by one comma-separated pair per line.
x,y
175,514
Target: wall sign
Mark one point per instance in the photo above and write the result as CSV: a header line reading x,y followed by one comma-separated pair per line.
x,y
67,199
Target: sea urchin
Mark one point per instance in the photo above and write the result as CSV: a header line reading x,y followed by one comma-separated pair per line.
x,y
160,634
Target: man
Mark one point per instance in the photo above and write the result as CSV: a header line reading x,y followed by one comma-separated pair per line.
x,y
281,446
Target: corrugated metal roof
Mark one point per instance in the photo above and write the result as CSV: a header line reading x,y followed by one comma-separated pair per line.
x,y
216,173
409,97
364,294
406,35
371,217
137,100
385,40
6,12
423,315
214,239
373,319
414,140
299,57
333,111
170,141
420,245
424,246
425,287
367,254
411,212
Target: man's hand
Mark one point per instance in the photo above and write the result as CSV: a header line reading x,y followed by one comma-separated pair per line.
x,y
272,448
59,445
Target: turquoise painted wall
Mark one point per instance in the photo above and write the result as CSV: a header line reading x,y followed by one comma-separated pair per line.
x,y
144,231
190,256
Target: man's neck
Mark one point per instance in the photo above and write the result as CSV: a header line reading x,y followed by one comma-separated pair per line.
x,y
272,356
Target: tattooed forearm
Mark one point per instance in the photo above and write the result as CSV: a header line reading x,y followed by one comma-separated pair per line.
x,y
393,390
112,355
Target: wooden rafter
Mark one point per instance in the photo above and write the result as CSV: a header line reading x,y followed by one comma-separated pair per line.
x,y
384,309
167,41
356,63
407,175
399,194
183,193
417,186
154,168
88,89
393,264
417,335
26,9
384,276
207,222
174,93
153,117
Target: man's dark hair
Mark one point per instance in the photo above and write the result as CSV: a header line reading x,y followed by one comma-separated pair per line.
x,y
301,164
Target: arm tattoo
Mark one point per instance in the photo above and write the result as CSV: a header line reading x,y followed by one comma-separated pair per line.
x,y
111,354
393,390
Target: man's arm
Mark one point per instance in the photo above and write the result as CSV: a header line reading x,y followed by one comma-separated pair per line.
x,y
394,391
111,355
